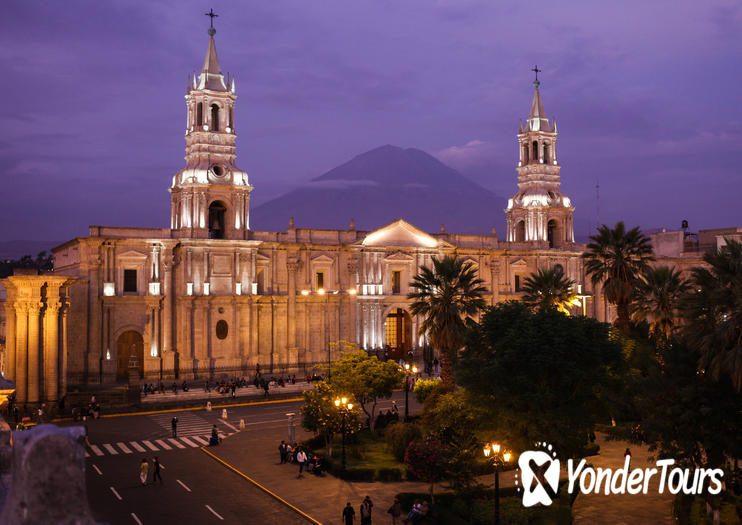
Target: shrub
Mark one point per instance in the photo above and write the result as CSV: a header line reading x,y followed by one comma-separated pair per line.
x,y
390,474
424,387
358,474
398,436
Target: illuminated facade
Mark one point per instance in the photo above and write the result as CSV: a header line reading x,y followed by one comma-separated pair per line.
x,y
211,297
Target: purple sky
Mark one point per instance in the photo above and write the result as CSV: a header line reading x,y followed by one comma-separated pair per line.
x,y
646,96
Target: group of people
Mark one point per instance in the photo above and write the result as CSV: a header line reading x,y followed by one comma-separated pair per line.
x,y
92,411
417,513
308,461
144,471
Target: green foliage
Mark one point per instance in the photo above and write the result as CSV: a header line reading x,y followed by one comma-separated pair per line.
x,y
549,289
656,298
713,312
616,258
447,297
367,380
320,415
544,375
398,436
424,387
426,461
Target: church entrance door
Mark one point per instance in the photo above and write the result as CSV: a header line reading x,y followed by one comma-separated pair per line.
x,y
398,328
130,353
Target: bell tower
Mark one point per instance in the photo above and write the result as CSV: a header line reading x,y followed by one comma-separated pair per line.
x,y
539,212
210,197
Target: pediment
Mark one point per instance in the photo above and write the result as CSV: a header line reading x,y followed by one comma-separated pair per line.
x,y
132,254
399,256
471,260
403,234
261,259
519,262
322,259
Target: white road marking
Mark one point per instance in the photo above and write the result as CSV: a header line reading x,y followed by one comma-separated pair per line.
x,y
200,440
137,446
116,493
188,442
176,443
110,449
183,485
97,470
96,450
123,447
214,513
150,446
163,444
229,425
136,519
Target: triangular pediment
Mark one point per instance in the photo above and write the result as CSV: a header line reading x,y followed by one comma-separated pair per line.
x,y
518,262
399,256
403,234
132,254
261,259
323,259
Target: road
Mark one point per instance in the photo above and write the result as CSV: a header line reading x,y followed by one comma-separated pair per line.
x,y
196,488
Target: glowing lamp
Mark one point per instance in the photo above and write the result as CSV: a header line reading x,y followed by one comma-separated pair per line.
x,y
344,400
337,402
350,406
506,456
487,451
496,448
320,291
305,292
352,291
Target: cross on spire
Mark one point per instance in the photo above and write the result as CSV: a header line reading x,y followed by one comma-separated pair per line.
x,y
211,14
537,71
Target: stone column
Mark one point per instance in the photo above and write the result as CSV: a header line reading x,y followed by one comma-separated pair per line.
x,y
51,351
10,341
63,362
292,357
495,276
21,352
33,352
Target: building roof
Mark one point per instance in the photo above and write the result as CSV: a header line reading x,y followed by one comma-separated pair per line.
x,y
537,120
211,74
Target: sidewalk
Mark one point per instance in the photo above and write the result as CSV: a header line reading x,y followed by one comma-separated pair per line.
x,y
198,394
639,509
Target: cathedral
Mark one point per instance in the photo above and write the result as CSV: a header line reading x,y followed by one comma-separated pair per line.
x,y
212,296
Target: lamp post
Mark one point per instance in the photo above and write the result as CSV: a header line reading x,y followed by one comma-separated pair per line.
x,y
409,372
499,460
342,404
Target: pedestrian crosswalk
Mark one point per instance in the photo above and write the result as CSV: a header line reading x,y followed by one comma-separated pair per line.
x,y
189,424
154,445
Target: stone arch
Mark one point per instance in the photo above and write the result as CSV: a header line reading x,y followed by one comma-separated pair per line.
x,y
520,231
554,233
129,354
214,110
217,220
199,114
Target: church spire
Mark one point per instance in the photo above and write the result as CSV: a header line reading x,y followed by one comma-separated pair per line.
x,y
537,120
211,74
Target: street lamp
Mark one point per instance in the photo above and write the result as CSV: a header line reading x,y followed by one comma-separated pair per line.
x,y
346,407
499,460
409,372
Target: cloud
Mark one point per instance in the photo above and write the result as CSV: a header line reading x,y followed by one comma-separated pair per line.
x,y
474,153
338,184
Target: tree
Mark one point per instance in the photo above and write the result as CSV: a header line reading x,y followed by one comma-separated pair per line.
x,y
544,375
44,262
549,289
616,258
426,461
366,379
447,297
713,313
656,298
321,416
424,387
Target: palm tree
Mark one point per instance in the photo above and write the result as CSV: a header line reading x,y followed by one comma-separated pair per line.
x,y
616,258
713,312
549,289
657,298
447,296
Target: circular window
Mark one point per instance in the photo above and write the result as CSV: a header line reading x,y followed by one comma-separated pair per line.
x,y
222,329
218,170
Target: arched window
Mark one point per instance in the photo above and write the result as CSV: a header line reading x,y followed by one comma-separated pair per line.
x,y
214,117
558,268
525,154
546,153
217,211
535,151
231,119
551,232
520,231
200,114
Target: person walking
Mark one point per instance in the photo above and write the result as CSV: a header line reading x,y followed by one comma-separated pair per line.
x,y
348,514
301,458
282,450
366,507
214,436
143,471
174,425
395,511
156,473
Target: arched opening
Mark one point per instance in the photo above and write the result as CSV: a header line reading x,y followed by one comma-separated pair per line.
x,y
525,154
231,119
520,231
558,268
535,151
552,229
214,117
130,355
199,114
546,153
398,333
217,211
